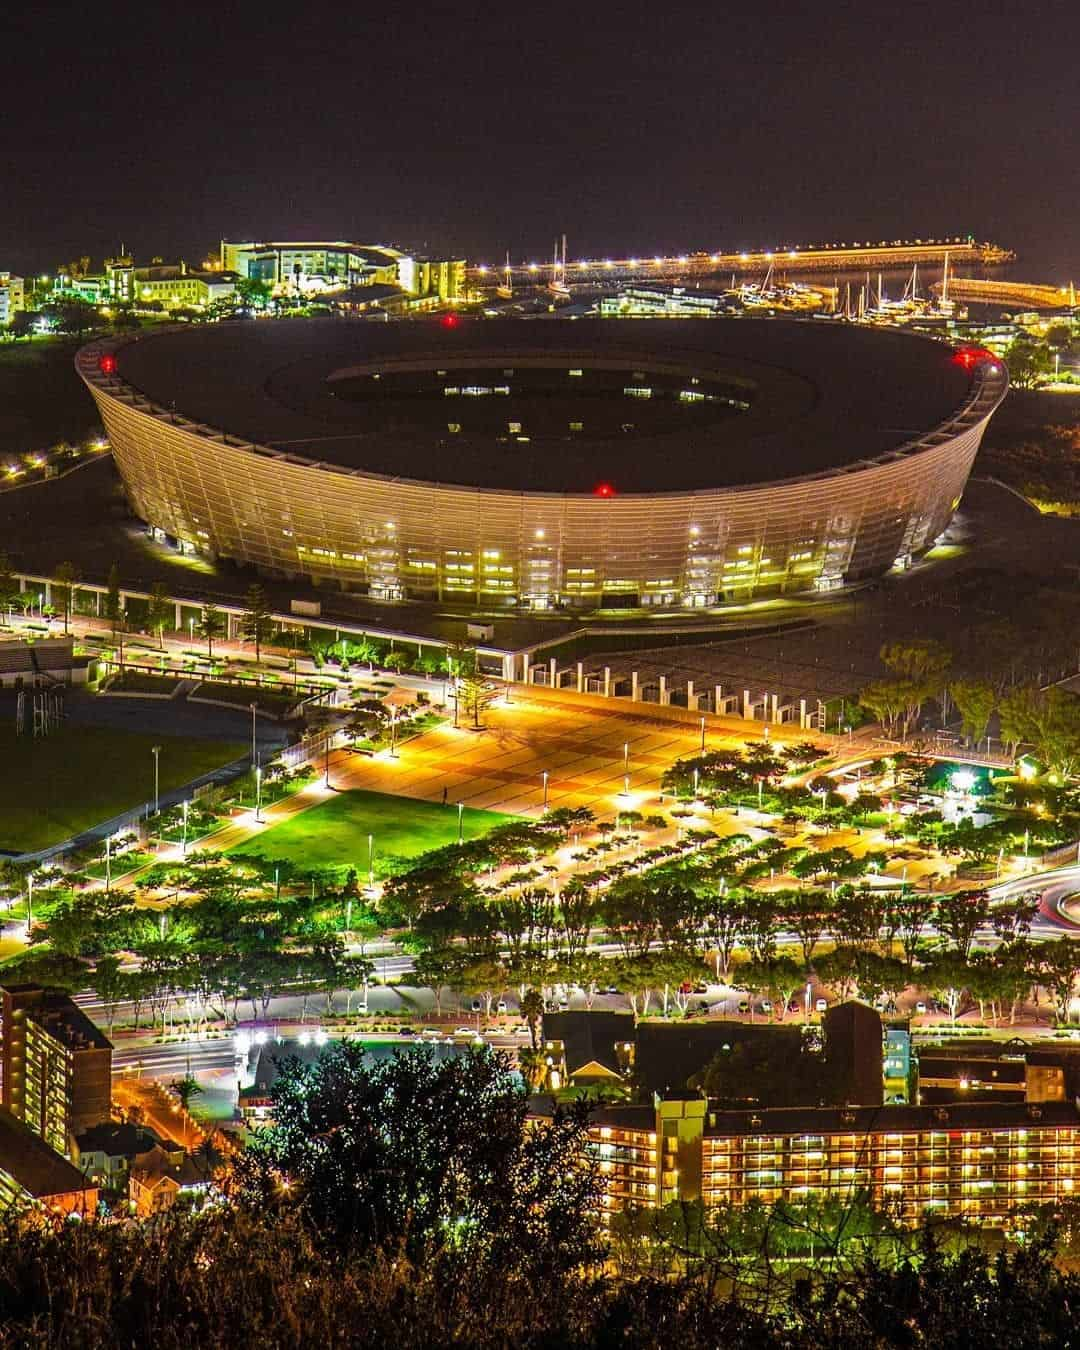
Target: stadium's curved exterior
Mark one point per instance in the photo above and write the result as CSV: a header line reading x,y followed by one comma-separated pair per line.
x,y
598,462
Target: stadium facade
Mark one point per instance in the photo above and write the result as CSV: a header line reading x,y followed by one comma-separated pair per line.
x,y
548,463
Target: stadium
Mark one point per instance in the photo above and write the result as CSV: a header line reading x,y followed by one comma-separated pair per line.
x,y
578,463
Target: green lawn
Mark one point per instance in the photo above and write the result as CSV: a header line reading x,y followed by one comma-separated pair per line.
x,y
53,788
335,833
42,400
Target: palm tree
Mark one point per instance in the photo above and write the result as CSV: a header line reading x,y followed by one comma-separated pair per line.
x,y
532,1009
186,1089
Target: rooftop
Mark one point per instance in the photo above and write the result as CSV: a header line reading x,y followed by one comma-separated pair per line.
x,y
820,397
37,1168
59,1015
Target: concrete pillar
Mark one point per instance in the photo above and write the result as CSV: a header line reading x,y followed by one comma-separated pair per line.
x,y
802,713
178,617
718,696
665,697
635,692
553,676
508,667
775,705
607,681
746,705
580,678
97,602
48,592
525,669
691,697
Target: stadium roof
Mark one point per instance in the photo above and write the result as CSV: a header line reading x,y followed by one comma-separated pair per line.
x,y
823,396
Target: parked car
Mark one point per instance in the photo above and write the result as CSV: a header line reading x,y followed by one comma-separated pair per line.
x,y
744,1007
477,1006
406,1031
765,1006
821,1005
500,1007
920,1007
464,1031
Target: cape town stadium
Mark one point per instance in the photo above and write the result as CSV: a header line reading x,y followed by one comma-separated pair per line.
x,y
535,463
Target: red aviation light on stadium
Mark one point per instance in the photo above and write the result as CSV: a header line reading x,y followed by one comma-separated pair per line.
x,y
603,490
107,364
449,321
970,357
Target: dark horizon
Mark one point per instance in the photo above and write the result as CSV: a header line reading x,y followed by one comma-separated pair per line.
x,y
628,128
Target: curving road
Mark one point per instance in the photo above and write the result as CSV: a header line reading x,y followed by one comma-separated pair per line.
x,y
1058,888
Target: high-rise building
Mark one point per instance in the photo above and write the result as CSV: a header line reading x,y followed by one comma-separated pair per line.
x,y
57,1065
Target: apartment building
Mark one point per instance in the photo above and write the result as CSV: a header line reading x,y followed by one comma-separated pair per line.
x,y
57,1065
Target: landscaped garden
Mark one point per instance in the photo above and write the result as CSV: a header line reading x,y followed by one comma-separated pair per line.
x,y
335,833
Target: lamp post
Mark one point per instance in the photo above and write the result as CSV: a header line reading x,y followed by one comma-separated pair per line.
x,y
703,735
258,794
371,860
183,846
108,862
326,760
393,733
697,780
253,707
460,824
29,902
156,752
544,775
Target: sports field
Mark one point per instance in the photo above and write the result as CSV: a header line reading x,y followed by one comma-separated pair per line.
x,y
57,786
335,833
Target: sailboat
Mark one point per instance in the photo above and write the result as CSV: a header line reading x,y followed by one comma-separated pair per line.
x,y
557,285
506,290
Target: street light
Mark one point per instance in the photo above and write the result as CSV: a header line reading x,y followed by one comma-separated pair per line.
x,y
253,707
29,903
460,825
371,860
703,735
183,846
258,794
393,733
156,752
544,775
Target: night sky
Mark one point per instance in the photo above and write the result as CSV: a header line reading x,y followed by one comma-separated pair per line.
x,y
633,127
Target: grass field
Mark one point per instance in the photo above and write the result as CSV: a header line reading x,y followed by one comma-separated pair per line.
x,y
56,787
335,833
42,400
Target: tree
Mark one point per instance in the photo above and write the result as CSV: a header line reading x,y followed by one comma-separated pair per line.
x,y
210,626
63,590
1029,362
959,917
532,1009
114,609
256,623
186,1089
159,611
252,292
475,695
9,586
423,1157
976,701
